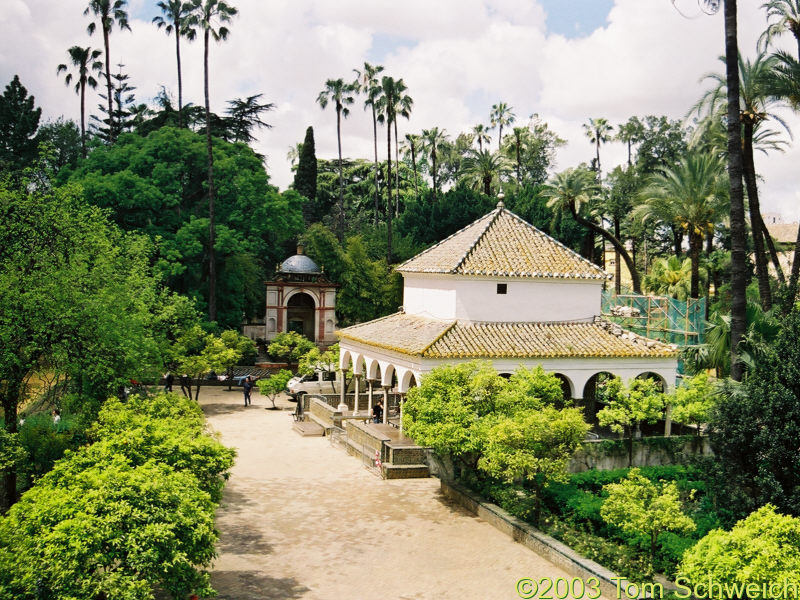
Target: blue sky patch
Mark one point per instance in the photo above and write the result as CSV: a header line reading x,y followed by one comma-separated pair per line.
x,y
576,18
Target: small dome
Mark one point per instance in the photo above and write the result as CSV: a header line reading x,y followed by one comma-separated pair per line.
x,y
300,263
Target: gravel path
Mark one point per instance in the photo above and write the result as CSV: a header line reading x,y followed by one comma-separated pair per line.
x,y
301,519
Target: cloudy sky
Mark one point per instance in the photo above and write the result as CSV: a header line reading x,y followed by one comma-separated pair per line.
x,y
567,60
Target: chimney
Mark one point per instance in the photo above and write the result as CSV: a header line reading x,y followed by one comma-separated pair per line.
x,y
300,249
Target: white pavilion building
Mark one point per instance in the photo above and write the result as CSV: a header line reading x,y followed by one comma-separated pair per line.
x,y
502,290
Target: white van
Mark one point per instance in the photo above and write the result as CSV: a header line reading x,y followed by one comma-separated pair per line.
x,y
320,381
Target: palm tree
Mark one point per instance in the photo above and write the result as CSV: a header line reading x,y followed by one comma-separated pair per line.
x,y
571,189
403,109
628,133
245,115
599,132
502,114
671,277
367,83
787,18
481,133
85,62
481,167
341,95
690,195
755,103
413,142
176,18
210,16
432,138
108,12
521,135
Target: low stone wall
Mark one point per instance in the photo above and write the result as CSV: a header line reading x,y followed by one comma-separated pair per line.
x,y
550,548
321,413
360,436
605,455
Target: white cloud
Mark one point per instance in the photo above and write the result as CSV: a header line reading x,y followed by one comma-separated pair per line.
x,y
456,56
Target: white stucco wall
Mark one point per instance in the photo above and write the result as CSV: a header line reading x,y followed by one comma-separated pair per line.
x,y
476,299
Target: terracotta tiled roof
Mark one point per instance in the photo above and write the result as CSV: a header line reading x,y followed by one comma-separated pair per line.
x,y
452,339
398,332
501,244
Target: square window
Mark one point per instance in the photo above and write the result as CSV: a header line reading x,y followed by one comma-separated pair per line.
x,y
502,288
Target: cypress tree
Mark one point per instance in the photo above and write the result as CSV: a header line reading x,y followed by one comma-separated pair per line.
x,y
305,178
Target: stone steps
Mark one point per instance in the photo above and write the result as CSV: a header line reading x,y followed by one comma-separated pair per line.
x,y
308,429
391,471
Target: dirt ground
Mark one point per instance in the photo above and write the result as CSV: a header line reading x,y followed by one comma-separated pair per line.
x,y
302,519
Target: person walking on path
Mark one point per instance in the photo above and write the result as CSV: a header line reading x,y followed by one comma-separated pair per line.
x,y
247,387
377,412
169,378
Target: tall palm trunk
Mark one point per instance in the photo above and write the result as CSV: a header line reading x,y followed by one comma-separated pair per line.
x,y
695,246
519,166
340,228
180,80
756,223
773,253
617,264
212,233
735,168
375,170
414,166
433,165
108,80
83,119
396,171
388,191
637,286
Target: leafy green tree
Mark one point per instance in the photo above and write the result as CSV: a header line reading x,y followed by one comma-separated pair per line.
x,y
210,17
315,359
196,353
305,178
85,61
63,141
66,277
367,83
274,384
413,142
244,351
763,549
693,401
535,446
340,94
108,12
126,113
629,406
19,120
175,18
501,115
599,132
754,432
289,346
637,505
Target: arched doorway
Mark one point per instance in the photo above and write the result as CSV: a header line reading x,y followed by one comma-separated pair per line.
x,y
566,388
593,395
300,315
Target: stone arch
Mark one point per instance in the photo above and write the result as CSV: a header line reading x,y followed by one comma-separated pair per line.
x,y
566,386
387,374
505,375
406,380
301,313
590,395
373,368
359,366
657,377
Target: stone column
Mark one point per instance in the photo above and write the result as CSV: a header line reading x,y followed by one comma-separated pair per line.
x,y
668,421
386,404
369,398
342,404
356,390
402,401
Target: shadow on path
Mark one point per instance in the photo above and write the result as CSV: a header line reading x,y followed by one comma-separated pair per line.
x,y
251,585
214,410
